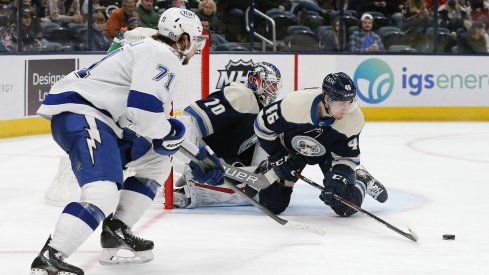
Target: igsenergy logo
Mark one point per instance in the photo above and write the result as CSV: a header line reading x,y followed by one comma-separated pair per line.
x,y
417,83
375,81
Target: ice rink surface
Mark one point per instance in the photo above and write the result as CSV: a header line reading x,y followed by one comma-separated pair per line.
x,y
436,174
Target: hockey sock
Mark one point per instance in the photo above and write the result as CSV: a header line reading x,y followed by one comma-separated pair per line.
x,y
74,226
135,198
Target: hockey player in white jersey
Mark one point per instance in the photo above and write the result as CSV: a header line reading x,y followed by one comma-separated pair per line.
x,y
317,127
224,121
115,115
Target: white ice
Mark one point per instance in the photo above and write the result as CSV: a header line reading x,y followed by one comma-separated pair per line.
x,y
436,173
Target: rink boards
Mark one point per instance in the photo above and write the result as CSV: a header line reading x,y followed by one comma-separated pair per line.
x,y
390,88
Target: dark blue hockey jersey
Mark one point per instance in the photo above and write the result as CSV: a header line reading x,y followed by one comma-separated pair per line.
x,y
293,123
225,120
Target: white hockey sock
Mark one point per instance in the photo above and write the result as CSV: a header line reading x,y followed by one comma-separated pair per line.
x,y
135,199
74,226
80,219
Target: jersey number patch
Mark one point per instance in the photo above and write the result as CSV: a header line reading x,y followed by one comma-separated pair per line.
x,y
217,108
272,114
353,144
162,72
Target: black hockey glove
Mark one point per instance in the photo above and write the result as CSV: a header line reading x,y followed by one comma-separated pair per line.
x,y
284,165
335,182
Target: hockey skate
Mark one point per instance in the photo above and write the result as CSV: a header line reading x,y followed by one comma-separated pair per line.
x,y
118,237
374,188
50,262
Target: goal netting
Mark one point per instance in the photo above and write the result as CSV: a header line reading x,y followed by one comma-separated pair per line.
x,y
64,187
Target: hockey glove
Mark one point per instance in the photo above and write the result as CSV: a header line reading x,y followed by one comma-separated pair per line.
x,y
169,145
212,176
335,182
284,165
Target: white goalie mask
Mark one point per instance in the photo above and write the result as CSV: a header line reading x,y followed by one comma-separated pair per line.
x,y
266,81
175,21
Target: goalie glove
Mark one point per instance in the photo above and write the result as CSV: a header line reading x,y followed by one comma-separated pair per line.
x,y
335,182
169,145
212,176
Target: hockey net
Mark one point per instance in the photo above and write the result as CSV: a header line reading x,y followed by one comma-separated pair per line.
x,y
64,187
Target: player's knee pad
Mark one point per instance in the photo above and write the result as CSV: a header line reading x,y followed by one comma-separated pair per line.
x,y
276,197
354,193
146,187
103,194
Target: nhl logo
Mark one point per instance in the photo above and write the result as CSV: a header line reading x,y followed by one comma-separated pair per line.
x,y
235,71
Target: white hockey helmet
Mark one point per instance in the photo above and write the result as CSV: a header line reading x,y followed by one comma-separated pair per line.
x,y
175,21
266,81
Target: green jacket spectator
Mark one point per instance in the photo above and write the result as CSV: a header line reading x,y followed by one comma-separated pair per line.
x,y
147,15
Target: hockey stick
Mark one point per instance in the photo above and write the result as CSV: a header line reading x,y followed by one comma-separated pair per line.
x,y
411,235
288,223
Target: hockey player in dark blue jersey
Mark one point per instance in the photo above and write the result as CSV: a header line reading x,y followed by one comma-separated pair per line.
x,y
317,127
224,121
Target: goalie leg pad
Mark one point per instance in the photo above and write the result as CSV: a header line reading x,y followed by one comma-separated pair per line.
x,y
276,197
354,193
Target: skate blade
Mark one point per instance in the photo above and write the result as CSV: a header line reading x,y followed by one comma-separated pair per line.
x,y
110,256
37,271
40,271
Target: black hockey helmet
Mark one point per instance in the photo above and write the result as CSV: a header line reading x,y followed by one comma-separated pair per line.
x,y
339,87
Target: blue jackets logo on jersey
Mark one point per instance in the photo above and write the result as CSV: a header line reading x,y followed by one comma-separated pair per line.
x,y
374,80
307,146
235,71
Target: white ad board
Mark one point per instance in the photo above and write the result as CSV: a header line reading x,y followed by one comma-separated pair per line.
x,y
26,80
382,81
407,81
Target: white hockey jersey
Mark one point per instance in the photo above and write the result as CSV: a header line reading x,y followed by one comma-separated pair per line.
x,y
132,85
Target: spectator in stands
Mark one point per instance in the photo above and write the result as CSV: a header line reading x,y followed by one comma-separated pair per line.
x,y
8,30
34,8
216,38
430,4
366,40
118,18
480,12
415,20
453,16
30,40
60,15
178,4
208,12
133,22
95,7
473,41
99,41
331,41
147,14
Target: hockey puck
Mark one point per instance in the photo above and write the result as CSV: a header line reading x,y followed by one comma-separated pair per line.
x,y
449,237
